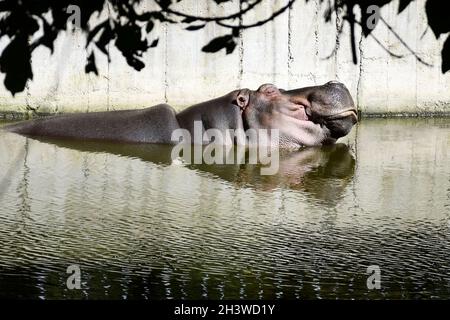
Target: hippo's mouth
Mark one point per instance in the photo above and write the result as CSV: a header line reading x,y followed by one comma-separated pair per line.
x,y
344,114
303,112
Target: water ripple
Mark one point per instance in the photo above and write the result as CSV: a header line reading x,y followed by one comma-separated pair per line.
x,y
141,227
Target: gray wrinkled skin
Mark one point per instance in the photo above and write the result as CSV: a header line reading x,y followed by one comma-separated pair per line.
x,y
304,117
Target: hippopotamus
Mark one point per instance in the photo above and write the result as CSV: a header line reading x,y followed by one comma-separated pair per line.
x,y
308,116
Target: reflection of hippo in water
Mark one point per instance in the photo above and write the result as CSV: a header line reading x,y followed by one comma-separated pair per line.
x,y
321,172
307,116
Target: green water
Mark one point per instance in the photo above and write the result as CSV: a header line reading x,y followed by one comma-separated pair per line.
x,y
142,227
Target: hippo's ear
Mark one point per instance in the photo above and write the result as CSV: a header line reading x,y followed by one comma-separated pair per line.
x,y
243,98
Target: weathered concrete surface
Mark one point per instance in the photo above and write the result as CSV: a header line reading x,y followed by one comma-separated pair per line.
x,y
291,52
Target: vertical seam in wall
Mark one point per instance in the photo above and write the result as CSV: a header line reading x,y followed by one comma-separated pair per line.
x,y
358,107
88,94
337,43
387,106
417,44
241,58
108,81
27,85
274,49
290,59
241,49
166,80
107,69
316,40
27,97
358,86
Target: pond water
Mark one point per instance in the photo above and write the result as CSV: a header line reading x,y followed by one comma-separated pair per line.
x,y
141,227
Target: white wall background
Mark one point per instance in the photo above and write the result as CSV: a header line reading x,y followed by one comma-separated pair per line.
x,y
290,51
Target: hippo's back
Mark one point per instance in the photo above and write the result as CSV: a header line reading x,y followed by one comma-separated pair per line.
x,y
151,125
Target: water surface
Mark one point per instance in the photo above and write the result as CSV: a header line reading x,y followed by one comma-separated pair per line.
x,y
142,227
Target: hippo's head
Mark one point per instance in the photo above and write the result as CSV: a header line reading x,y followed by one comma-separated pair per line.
x,y
307,116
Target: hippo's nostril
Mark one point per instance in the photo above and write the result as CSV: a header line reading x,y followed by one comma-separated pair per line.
x,y
308,112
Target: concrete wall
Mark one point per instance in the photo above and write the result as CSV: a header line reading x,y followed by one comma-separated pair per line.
x,y
290,52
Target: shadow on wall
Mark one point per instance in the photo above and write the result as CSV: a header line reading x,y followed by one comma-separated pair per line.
x,y
130,28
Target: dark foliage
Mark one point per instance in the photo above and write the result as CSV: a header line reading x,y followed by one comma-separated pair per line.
x,y
128,28
439,22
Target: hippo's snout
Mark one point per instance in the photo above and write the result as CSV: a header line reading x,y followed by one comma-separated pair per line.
x,y
333,106
341,124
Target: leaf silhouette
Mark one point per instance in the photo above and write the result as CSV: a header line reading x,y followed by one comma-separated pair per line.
x,y
144,17
15,61
446,56
130,42
149,26
154,43
128,25
95,31
403,5
165,3
230,47
137,64
219,43
106,36
188,20
48,38
192,28
91,66
161,17
437,17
